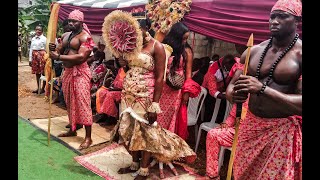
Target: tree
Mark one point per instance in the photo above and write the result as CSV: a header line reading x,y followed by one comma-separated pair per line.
x,y
32,16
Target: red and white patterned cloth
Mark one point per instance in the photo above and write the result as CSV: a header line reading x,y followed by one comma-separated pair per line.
x,y
38,62
269,148
170,102
107,101
218,137
76,90
293,7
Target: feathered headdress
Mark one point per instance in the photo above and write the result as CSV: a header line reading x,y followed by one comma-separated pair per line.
x,y
122,35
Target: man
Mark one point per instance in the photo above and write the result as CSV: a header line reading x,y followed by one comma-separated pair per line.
x,y
36,56
73,52
269,144
19,47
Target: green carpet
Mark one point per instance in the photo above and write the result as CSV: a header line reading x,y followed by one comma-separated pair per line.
x,y
37,161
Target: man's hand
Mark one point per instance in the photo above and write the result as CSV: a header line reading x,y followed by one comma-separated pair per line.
x,y
30,63
54,55
152,117
52,47
243,86
185,98
247,84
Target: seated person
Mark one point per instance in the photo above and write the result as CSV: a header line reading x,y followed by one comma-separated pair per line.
x,y
221,136
216,81
108,98
199,72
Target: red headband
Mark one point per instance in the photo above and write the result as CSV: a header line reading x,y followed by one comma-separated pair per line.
x,y
293,7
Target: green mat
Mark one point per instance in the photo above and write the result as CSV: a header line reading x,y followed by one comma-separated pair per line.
x,y
38,161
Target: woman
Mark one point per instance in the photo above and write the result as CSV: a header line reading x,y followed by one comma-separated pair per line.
x,y
140,97
181,63
36,56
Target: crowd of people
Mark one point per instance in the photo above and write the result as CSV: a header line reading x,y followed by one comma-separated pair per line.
x,y
152,107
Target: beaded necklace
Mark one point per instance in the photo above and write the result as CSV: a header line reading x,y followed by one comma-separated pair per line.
x,y
276,62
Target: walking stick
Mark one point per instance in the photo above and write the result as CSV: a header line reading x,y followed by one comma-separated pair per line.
x,y
51,38
238,113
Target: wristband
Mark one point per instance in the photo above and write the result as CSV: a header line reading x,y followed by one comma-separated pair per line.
x,y
58,57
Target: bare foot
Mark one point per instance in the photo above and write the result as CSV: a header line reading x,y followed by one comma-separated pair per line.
x,y
175,172
126,170
161,173
68,134
85,144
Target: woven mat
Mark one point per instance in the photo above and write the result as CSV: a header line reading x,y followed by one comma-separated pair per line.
x,y
107,161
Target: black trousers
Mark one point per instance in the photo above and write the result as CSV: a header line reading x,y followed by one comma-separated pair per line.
x,y
209,103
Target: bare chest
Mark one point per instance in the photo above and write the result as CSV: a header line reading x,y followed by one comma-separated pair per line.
x,y
73,45
284,72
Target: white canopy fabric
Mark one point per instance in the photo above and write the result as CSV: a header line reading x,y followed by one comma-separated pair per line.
x,y
109,4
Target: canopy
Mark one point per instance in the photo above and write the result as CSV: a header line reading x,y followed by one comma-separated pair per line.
x,y
228,20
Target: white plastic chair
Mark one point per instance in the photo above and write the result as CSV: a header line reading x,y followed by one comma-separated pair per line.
x,y
212,124
194,109
224,148
41,79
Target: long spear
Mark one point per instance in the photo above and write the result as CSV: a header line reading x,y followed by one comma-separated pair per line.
x,y
51,38
239,112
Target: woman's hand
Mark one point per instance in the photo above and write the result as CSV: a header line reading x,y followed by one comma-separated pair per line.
x,y
185,98
152,117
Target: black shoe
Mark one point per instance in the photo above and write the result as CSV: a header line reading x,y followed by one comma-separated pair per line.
x,y
35,91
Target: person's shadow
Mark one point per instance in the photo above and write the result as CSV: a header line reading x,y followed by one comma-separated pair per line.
x,y
79,170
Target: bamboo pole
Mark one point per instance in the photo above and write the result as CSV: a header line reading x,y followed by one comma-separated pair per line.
x,y
51,38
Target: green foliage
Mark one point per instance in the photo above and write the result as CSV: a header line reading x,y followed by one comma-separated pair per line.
x,y
32,16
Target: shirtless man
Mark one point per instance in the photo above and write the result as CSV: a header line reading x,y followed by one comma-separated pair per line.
x,y
269,144
73,52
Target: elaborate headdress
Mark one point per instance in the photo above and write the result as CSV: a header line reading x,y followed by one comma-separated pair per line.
x,y
122,35
166,13
293,7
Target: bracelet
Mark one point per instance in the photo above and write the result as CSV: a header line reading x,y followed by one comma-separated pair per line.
x,y
58,57
262,89
154,108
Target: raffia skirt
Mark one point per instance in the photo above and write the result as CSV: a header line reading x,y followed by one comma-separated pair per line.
x,y
164,145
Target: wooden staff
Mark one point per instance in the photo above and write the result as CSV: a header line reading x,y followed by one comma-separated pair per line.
x,y
51,38
239,112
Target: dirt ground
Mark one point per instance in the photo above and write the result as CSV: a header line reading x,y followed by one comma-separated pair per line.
x,y
31,106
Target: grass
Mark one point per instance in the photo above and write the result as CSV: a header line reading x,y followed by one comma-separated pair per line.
x,y
38,161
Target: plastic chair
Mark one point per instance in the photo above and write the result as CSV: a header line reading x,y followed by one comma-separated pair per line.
x,y
224,148
194,109
212,124
41,79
